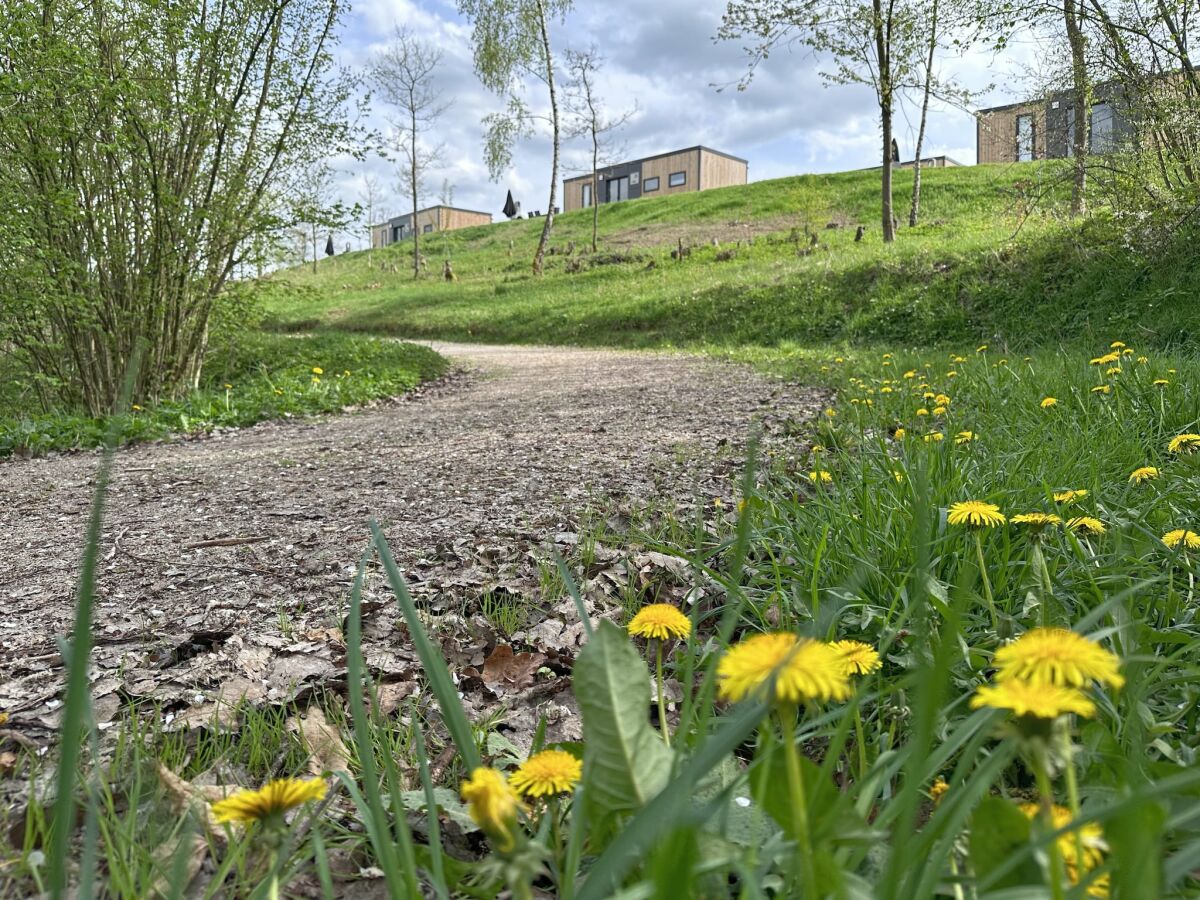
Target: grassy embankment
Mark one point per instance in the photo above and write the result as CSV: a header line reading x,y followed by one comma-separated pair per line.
x,y
977,267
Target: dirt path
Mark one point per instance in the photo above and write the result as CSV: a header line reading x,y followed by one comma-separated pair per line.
x,y
470,480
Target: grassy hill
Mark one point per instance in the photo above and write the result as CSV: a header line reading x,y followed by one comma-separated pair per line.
x,y
982,264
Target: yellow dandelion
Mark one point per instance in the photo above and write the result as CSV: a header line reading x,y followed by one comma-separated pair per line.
x,y
270,802
1142,360
1113,370
937,790
803,669
1048,402
975,514
1145,473
136,408
1106,359
1087,839
1102,389
887,389
493,805
1182,538
1086,525
859,658
899,434
1059,657
934,437
939,410
660,621
830,413
1038,701
981,348
911,373
317,370
1036,521
546,774
1116,345
964,437
820,476
941,400
898,475
922,411
1160,382
228,387
1068,497
1184,443
839,359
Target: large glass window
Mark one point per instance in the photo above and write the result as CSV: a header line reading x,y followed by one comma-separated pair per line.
x,y
1024,138
677,179
650,184
587,195
1102,128
618,189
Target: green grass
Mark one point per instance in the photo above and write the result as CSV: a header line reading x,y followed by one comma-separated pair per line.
x,y
976,267
261,377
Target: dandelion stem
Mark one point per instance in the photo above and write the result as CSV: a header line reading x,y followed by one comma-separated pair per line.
x,y
804,856
987,584
662,706
1041,769
1066,748
862,746
1039,561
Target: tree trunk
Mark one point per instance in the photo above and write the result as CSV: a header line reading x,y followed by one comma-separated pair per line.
x,y
314,243
1082,102
540,256
915,211
595,195
413,173
882,48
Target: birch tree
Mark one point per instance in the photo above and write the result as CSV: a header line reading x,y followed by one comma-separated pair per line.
x,y
512,46
871,42
405,74
590,120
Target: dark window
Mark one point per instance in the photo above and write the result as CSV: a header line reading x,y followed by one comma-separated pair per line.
x,y
618,189
587,195
675,179
427,229
1024,138
650,184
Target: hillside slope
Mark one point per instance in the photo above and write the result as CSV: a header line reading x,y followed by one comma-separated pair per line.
x,y
981,265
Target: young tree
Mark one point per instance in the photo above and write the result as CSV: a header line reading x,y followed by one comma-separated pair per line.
x,y
872,42
405,74
512,44
150,145
589,119
370,198
314,204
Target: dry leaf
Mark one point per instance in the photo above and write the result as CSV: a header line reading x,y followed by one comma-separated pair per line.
x,y
327,752
511,670
164,858
185,795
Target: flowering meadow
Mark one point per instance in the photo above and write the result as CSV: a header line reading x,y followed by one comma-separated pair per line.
x,y
950,647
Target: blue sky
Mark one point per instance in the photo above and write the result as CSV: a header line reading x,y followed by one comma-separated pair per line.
x,y
661,56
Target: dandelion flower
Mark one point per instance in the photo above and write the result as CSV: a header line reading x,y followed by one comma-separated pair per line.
x,y
1106,359
951,374
821,476
859,658
1087,838
1116,345
941,400
1067,497
1142,360
1184,443
964,437
1102,389
937,790
803,669
939,410
1059,657
975,514
1036,521
269,802
1182,538
660,621
1038,701
546,774
981,348
1160,382
898,475
317,370
1086,525
1145,473
830,413
922,411
911,373
899,434
493,805
1113,370
1048,402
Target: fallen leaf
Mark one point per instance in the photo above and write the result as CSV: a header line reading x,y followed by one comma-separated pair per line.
x,y
185,795
514,671
327,752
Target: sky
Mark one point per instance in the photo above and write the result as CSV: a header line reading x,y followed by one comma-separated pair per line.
x,y
660,58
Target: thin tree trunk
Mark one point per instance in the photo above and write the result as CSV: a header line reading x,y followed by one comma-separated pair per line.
x,y
882,47
915,211
314,243
595,196
413,161
1082,102
540,256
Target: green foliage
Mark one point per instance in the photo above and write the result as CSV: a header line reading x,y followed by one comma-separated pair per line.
x,y
977,268
259,377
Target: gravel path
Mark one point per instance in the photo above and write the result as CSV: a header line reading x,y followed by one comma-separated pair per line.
x,y
470,478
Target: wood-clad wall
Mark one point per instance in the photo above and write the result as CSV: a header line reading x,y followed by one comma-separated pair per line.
x,y
573,193
452,219
996,133
663,166
721,171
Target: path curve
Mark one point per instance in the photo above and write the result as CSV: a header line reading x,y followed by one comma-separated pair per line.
x,y
467,479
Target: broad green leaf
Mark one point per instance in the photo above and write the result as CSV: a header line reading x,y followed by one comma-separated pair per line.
x,y
998,830
625,760
1135,836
